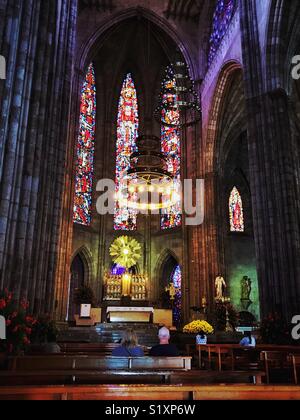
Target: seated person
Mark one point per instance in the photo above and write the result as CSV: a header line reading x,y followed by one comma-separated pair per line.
x,y
164,349
248,340
129,346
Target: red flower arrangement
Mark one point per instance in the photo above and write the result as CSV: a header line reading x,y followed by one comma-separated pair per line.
x,y
18,324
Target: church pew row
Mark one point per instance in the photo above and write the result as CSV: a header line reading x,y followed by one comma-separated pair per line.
x,y
151,392
60,370
104,349
88,362
90,348
89,377
296,368
232,355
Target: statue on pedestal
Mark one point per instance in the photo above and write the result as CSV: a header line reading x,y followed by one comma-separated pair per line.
x,y
220,285
246,289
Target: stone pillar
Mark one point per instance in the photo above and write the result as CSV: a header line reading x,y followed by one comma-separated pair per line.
x,y
273,173
38,43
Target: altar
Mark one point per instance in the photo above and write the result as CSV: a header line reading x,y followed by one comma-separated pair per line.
x,y
129,314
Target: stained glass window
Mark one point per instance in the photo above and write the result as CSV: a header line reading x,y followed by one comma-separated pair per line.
x,y
171,147
223,14
128,125
177,281
85,151
236,212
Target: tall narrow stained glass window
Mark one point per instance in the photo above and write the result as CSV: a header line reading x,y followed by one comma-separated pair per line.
x,y
236,212
224,12
85,151
177,281
171,147
127,133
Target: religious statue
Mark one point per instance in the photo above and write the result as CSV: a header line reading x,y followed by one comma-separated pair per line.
x,y
220,285
246,289
246,286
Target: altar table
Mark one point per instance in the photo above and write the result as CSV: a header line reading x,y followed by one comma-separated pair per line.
x,y
129,314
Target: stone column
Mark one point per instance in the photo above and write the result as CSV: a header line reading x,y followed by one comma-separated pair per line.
x,y
38,43
273,172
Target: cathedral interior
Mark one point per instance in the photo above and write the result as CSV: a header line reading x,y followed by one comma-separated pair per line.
x,y
108,104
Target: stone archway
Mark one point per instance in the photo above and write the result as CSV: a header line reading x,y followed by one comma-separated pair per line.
x,y
168,264
164,35
80,273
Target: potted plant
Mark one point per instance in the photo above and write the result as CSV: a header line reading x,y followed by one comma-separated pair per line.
x,y
85,298
44,334
19,324
201,329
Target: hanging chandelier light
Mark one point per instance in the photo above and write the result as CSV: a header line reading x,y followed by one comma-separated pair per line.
x,y
179,103
149,185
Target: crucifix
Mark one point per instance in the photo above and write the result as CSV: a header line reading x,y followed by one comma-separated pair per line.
x,y
172,291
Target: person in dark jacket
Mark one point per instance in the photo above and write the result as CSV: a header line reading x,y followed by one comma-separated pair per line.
x,y
164,349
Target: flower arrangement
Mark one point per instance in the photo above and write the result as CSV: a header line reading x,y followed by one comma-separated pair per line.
x,y
19,324
198,327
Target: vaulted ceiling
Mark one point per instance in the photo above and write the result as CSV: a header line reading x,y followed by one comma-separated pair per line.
x,y
189,10
185,9
99,5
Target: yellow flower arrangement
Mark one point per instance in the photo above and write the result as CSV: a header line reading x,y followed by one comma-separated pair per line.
x,y
197,327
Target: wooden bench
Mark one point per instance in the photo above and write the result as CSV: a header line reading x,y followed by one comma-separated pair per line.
x,y
296,367
87,348
65,377
151,392
55,370
279,363
218,352
84,362
60,370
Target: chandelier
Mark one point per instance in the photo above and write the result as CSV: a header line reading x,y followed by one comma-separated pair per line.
x,y
149,185
179,104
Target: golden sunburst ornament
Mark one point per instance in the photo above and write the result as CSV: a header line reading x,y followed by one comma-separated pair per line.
x,y
125,251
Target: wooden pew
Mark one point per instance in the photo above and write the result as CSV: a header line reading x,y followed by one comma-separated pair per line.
x,y
60,370
278,362
246,359
219,351
84,362
151,392
55,370
296,367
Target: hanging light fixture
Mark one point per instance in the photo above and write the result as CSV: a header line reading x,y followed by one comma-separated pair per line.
x,y
178,97
149,186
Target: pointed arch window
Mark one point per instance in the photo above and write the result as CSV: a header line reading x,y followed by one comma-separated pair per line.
x,y
127,133
85,151
177,281
236,212
223,15
171,147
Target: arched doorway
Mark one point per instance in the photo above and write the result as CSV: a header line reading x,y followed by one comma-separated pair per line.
x,y
76,280
171,273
